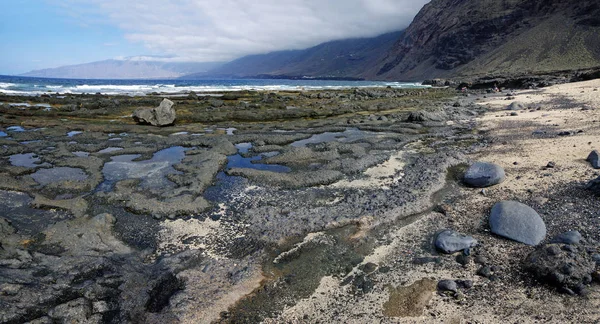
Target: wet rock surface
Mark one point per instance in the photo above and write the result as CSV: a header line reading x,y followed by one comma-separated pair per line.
x,y
256,205
108,222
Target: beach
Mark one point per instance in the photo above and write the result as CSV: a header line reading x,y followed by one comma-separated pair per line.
x,y
291,206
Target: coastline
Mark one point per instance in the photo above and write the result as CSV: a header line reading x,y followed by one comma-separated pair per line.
x,y
343,243
558,194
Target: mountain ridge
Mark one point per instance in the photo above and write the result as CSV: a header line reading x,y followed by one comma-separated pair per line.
x,y
459,38
335,59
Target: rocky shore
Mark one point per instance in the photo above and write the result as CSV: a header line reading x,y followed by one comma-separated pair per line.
x,y
308,206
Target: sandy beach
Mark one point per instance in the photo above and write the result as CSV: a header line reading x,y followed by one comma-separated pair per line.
x,y
523,145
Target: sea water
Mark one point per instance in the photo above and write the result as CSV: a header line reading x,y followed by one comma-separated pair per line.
x,y
34,86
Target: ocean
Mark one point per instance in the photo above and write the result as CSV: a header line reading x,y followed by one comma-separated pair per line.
x,y
16,85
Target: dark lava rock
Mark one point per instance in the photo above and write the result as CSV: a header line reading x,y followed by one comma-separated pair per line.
x,y
484,271
596,258
517,222
369,267
553,265
570,237
464,284
594,159
551,165
449,241
515,106
594,185
447,285
162,115
162,291
426,260
564,133
463,259
422,116
362,284
482,174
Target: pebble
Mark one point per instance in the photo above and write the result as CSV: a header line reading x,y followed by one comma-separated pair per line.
x,y
484,271
463,259
570,237
449,241
447,285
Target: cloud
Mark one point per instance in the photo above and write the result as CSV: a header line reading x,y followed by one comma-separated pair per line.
x,y
221,30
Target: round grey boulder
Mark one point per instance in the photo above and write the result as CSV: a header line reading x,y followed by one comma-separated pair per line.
x,y
483,174
449,241
518,222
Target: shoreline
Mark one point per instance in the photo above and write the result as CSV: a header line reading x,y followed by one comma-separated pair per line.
x,y
343,247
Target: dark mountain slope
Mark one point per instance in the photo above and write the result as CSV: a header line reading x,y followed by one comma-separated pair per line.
x,y
342,58
453,38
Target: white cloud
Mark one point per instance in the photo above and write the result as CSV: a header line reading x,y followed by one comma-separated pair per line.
x,y
203,30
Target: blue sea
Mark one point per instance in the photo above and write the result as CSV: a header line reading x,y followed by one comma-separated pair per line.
x,y
34,86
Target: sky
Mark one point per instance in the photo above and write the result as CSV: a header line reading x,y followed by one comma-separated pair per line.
x,y
38,34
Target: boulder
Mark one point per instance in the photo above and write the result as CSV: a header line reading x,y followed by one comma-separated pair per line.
x,y
515,106
482,174
449,241
518,222
594,159
163,115
563,266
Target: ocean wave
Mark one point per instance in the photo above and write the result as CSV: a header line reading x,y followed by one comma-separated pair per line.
x,y
135,88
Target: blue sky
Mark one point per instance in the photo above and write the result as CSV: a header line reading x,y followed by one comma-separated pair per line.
x,y
38,34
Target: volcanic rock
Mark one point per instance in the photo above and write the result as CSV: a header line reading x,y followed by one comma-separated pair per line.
x,y
162,115
482,174
517,222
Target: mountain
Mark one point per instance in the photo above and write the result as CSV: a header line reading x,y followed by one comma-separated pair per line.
x,y
447,39
128,68
456,38
336,59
